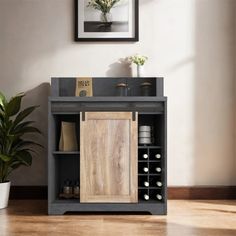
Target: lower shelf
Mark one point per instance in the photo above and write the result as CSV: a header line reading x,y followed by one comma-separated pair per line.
x,y
60,207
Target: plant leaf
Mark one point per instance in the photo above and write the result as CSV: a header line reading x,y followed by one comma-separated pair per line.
x,y
5,158
24,114
25,143
29,129
15,165
25,157
3,101
19,127
13,107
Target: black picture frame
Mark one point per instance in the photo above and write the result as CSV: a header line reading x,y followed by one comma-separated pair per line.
x,y
134,38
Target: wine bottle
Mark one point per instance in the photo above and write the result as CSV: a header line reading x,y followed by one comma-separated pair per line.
x,y
145,169
158,169
158,156
146,197
159,184
159,197
146,184
145,156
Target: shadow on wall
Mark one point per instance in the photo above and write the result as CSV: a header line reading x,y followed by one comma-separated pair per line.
x,y
37,173
214,92
121,68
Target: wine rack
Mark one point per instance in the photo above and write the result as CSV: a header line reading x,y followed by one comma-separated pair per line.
x,y
151,182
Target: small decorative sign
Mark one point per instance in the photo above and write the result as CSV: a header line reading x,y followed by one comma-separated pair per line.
x,y
84,87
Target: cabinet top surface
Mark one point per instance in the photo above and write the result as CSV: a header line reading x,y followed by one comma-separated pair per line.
x,y
107,99
107,88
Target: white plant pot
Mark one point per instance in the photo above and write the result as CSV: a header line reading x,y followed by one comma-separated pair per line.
x,y
140,71
137,70
4,194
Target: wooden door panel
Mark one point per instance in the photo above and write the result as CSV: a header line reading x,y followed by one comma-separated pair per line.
x,y
108,157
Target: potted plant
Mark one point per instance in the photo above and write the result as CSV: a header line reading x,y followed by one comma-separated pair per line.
x,y
139,60
15,149
104,6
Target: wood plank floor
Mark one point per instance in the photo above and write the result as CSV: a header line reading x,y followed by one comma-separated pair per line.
x,y
184,218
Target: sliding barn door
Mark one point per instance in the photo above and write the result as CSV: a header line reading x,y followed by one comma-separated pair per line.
x,y
108,157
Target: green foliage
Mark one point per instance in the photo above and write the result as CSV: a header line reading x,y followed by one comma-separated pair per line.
x,y
138,59
102,5
15,150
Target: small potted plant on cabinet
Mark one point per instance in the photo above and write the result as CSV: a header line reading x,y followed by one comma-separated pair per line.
x,y
139,61
15,149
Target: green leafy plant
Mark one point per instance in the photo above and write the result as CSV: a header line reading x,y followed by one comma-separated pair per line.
x,y
103,5
138,59
15,150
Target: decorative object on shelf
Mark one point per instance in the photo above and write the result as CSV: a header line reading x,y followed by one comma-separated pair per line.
x,y
139,61
122,89
70,191
146,88
67,188
144,135
84,87
76,189
15,148
106,20
68,140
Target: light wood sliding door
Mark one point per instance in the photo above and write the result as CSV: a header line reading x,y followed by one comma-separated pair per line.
x,y
108,157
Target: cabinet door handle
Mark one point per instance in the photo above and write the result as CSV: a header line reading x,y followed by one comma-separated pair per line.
x,y
83,116
134,116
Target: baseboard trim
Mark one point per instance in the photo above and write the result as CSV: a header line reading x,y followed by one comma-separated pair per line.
x,y
188,193
28,192
202,192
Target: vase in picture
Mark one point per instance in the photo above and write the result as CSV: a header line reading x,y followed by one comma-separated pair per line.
x,y
106,17
140,71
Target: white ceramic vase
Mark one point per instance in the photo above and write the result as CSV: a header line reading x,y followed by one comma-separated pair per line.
x,y
4,194
140,71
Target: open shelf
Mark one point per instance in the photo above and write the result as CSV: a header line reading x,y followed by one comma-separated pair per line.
x,y
72,200
66,153
155,188
148,147
152,161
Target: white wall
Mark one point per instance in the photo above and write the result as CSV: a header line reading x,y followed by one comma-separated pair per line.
x,y
189,42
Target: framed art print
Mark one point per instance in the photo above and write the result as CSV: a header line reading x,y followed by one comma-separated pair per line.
x,y
106,20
